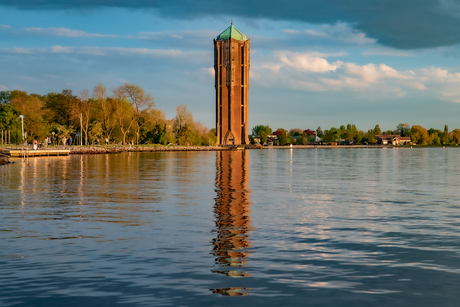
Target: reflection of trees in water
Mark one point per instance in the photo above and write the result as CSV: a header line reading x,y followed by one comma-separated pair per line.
x,y
96,188
233,222
231,291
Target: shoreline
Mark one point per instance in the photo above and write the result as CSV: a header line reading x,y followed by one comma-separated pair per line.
x,y
115,149
77,150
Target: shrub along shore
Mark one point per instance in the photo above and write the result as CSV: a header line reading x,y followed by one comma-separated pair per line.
x,y
77,150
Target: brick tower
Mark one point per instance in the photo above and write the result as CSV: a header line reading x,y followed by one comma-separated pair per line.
x,y
231,65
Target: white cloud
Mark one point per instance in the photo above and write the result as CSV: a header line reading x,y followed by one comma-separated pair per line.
x,y
4,26
103,51
313,72
3,88
60,49
16,50
204,74
306,62
447,83
61,32
210,71
439,75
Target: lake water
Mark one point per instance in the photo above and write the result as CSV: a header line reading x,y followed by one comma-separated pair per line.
x,y
279,227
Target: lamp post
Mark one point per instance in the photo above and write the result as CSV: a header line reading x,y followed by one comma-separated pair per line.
x,y
22,120
81,129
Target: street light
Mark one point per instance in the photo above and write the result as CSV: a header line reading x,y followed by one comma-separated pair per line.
x,y
22,119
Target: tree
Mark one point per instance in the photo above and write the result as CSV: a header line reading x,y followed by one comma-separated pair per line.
x,y
445,136
9,120
59,107
263,137
358,138
62,131
153,124
262,132
187,135
456,136
213,131
4,97
371,136
404,129
377,130
95,131
295,131
350,132
332,135
157,135
207,137
18,94
260,128
435,139
284,138
142,104
419,135
319,132
9,117
124,112
33,110
83,108
302,139
106,107
329,135
183,126
183,117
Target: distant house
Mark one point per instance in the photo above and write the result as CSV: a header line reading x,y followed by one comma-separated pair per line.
x,y
392,139
256,139
310,132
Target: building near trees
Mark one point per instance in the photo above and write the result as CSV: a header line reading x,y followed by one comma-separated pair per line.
x,y
392,139
231,65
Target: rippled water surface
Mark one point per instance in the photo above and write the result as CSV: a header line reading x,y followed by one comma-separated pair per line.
x,y
305,227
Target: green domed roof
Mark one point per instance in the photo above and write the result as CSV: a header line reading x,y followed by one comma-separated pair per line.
x,y
233,33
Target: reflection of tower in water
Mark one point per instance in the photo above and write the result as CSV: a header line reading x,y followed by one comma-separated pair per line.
x,y
233,222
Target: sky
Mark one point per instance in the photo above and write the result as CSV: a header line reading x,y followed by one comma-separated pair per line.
x,y
313,62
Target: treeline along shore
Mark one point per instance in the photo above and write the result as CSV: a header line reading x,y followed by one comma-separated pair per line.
x,y
127,115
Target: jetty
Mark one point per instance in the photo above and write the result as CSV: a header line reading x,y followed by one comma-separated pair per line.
x,y
27,152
